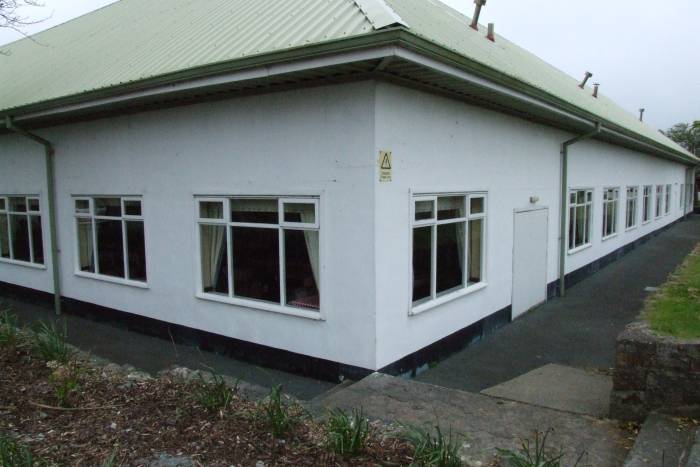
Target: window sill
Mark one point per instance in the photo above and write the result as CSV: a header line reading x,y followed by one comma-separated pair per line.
x,y
609,237
580,248
26,264
423,307
113,280
259,305
631,228
646,222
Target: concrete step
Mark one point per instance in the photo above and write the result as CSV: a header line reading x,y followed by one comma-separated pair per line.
x,y
663,441
694,456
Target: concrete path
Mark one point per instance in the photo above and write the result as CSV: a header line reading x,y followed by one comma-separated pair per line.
x,y
486,423
579,330
153,354
561,388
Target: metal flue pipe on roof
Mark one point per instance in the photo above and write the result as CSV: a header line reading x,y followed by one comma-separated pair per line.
x,y
588,76
596,86
477,13
491,35
641,114
51,195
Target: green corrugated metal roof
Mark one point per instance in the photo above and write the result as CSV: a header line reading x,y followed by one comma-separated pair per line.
x,y
133,40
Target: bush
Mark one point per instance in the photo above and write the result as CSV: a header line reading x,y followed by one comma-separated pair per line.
x,y
66,383
214,396
9,328
537,455
433,450
13,454
347,433
50,342
279,417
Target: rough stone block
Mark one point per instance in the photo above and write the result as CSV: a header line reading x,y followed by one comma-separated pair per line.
x,y
630,379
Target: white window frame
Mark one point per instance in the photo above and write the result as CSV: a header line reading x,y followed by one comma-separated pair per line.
x,y
7,213
281,226
123,219
615,201
667,200
436,299
634,209
648,213
589,204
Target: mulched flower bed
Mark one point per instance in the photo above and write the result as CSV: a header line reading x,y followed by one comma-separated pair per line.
x,y
135,422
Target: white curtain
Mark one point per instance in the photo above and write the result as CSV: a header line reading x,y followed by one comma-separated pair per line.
x,y
475,234
213,237
85,244
312,243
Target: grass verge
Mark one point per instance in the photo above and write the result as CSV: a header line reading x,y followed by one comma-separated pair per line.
x,y
675,309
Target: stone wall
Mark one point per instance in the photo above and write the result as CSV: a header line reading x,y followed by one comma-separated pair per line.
x,y
654,372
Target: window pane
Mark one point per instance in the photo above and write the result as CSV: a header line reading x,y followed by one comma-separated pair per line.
x,y
110,247
580,235
476,234
572,230
425,210
214,259
256,263
304,213
20,238
111,207
422,262
451,207
258,211
476,205
37,240
132,207
580,197
4,237
86,255
211,209
33,204
82,206
18,204
2,204
450,256
302,268
136,249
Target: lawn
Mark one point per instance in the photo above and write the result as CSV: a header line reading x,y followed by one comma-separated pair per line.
x,y
675,309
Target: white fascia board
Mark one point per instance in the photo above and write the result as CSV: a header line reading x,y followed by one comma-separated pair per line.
x,y
379,13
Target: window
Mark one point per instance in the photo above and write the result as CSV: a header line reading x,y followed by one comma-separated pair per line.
x,y
610,208
659,199
110,237
681,198
667,204
21,237
261,249
647,205
448,244
632,195
580,210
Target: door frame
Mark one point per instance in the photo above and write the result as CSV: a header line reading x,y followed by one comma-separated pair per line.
x,y
546,260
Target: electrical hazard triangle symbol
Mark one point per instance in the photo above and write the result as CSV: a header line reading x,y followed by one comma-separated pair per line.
x,y
386,161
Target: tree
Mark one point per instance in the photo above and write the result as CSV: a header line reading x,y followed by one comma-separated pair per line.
x,y
687,135
11,17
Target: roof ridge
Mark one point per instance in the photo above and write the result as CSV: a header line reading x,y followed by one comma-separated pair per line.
x,y
379,14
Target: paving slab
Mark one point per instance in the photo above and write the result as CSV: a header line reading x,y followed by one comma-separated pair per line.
x,y
663,441
487,423
559,387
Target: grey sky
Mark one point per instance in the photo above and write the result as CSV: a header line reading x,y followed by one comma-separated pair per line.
x,y
645,53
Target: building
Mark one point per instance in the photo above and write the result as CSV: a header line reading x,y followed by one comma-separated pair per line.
x,y
334,186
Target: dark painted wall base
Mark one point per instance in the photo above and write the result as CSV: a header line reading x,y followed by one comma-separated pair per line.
x,y
297,363
588,270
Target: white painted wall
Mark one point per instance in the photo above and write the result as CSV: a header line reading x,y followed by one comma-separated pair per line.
x,y
320,141
442,145
314,141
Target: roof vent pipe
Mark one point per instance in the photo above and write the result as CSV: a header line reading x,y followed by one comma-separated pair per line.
x,y
595,90
492,32
588,76
641,115
477,13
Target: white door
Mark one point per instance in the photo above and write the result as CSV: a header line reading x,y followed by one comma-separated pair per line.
x,y
529,260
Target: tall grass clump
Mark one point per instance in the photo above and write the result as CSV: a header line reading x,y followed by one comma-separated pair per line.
x,y
433,449
9,328
535,454
214,395
49,342
347,433
14,454
279,416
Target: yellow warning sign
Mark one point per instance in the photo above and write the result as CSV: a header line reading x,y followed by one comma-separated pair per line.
x,y
385,166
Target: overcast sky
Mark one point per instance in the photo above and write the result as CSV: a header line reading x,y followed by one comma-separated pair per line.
x,y
645,53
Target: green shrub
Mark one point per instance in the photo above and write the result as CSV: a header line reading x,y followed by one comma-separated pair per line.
x,y
433,450
279,417
537,455
66,383
215,395
50,343
347,433
9,328
13,454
